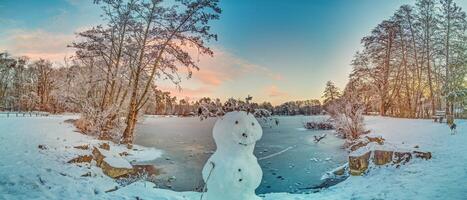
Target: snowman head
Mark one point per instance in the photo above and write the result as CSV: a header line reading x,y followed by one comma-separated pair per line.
x,y
237,129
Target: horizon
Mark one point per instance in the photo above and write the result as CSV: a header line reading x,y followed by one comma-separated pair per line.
x,y
312,45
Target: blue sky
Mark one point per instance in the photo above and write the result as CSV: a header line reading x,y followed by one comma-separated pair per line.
x,y
273,50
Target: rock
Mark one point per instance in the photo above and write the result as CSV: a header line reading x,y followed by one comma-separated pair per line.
x,y
377,139
98,157
42,147
115,172
402,157
382,157
124,153
83,147
416,146
105,146
424,155
359,164
81,159
340,171
111,171
365,141
358,144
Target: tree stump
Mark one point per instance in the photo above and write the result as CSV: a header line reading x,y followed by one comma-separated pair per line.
x,y
382,157
359,164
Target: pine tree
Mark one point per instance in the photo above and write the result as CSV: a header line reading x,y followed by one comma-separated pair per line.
x,y
331,93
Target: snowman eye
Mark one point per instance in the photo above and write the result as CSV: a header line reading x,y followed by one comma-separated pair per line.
x,y
236,122
252,123
240,180
239,170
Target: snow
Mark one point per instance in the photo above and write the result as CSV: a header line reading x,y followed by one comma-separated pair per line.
x,y
331,174
233,172
27,172
375,146
139,154
115,160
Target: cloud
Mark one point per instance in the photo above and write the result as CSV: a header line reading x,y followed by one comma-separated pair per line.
x,y
214,73
37,44
224,66
273,91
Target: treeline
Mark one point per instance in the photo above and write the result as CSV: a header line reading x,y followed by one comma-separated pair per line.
x,y
167,105
413,60
40,85
33,85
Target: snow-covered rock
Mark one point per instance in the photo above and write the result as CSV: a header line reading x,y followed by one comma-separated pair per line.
x,y
358,164
233,172
381,154
112,165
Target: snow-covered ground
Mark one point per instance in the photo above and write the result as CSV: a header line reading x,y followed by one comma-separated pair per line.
x,y
27,172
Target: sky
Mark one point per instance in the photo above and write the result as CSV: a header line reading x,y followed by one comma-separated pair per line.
x,y
273,50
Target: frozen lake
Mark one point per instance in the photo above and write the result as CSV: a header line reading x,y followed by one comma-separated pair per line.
x,y
188,143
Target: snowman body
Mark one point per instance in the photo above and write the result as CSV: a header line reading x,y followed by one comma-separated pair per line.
x,y
233,172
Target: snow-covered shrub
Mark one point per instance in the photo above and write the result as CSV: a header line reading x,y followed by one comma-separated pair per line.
x,y
206,110
319,125
262,113
347,115
107,124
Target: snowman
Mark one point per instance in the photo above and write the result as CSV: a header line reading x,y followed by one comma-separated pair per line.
x,y
233,172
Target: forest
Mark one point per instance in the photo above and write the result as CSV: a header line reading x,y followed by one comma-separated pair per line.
x,y
414,63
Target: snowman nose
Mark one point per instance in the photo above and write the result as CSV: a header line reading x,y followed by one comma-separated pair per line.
x,y
244,135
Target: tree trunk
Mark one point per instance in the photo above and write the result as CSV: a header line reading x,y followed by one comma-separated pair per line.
x,y
130,123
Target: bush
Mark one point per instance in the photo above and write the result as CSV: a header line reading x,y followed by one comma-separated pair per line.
x,y
319,126
106,125
347,115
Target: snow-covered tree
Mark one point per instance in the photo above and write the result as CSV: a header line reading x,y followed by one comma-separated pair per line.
x,y
330,94
142,41
347,114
